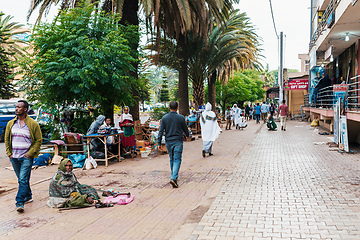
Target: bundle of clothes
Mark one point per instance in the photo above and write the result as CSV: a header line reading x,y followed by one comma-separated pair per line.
x,y
66,192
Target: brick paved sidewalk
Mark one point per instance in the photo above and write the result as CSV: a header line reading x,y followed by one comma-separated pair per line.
x,y
286,187
258,185
158,211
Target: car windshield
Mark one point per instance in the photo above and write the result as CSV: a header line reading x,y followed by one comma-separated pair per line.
x,y
7,109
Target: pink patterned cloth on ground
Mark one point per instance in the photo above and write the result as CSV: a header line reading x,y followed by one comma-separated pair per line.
x,y
120,200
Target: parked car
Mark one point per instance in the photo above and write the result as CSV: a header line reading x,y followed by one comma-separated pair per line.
x,y
7,112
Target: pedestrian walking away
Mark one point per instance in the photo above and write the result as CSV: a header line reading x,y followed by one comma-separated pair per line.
x,y
264,111
257,111
228,118
247,112
23,139
272,110
174,126
210,129
283,115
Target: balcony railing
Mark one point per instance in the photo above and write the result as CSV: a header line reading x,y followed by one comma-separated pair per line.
x,y
323,22
354,94
326,98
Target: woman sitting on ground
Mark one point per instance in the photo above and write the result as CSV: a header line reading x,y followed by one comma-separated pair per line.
x,y
66,191
271,124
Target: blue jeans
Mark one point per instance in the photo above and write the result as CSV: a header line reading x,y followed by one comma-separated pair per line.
x,y
22,167
257,118
175,153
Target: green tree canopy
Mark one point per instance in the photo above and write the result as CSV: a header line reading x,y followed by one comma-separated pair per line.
x,y
244,86
82,57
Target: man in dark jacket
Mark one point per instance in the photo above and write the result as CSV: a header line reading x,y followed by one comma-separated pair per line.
x,y
174,126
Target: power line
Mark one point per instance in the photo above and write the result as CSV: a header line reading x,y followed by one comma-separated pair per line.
x,y
272,15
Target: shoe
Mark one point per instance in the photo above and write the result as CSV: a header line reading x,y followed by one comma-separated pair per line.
x,y
29,200
210,154
229,128
282,128
20,209
203,153
174,183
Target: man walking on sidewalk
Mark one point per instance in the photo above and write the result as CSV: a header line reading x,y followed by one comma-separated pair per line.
x,y
23,139
228,118
264,111
257,112
210,129
283,115
174,126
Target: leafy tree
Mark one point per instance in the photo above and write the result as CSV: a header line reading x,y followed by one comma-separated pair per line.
x,y
82,57
253,82
244,86
175,18
275,73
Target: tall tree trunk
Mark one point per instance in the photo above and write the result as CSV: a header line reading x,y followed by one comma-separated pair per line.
x,y
130,17
212,90
108,109
183,76
198,94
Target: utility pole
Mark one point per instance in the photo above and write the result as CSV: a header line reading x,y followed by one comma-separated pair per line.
x,y
281,70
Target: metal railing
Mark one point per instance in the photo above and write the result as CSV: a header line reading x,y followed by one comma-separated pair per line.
x,y
323,22
353,97
325,97
306,100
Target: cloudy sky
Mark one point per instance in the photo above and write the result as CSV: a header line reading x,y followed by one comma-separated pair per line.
x,y
291,17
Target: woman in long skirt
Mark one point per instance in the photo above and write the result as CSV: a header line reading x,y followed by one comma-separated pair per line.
x,y
127,125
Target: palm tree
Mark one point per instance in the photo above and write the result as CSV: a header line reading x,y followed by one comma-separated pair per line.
x,y
268,77
226,49
8,30
243,56
9,50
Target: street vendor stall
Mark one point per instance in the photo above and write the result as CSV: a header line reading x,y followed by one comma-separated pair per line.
x,y
103,138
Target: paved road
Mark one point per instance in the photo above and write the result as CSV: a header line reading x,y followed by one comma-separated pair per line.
x,y
258,185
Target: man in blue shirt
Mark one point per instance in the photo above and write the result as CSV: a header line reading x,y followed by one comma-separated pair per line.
x,y
174,126
264,111
257,112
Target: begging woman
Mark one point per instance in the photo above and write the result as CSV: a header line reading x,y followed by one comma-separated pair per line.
x,y
127,125
66,191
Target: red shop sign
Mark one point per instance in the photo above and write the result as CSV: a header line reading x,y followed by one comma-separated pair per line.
x,y
340,87
297,84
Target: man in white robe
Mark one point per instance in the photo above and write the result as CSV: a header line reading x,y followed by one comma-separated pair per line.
x,y
210,129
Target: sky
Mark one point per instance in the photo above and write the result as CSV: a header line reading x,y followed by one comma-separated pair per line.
x,y
292,17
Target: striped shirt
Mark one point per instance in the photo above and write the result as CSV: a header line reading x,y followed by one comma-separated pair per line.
x,y
20,140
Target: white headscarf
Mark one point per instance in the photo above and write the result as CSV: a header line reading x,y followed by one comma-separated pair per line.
x,y
210,129
125,116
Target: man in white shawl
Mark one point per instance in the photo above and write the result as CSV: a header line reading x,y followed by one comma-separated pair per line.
x,y
236,116
209,129
233,110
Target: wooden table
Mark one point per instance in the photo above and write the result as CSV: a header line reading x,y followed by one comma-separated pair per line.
x,y
103,138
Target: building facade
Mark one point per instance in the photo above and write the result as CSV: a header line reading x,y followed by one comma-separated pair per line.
x,y
334,52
